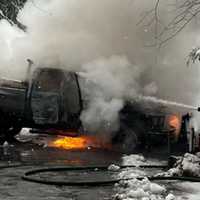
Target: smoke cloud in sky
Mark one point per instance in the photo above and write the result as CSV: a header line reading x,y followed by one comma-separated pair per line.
x,y
103,43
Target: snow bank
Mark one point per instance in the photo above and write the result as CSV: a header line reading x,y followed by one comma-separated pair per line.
x,y
143,189
25,132
137,159
188,165
113,168
134,159
170,197
190,190
135,189
191,165
132,188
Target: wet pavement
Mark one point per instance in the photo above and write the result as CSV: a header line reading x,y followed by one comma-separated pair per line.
x,y
12,187
35,154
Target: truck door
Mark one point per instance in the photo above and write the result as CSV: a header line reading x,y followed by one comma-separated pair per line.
x,y
45,96
71,99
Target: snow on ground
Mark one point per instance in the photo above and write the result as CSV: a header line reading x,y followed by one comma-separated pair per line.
x,y
143,189
25,135
114,168
137,159
189,190
134,189
134,159
25,131
188,165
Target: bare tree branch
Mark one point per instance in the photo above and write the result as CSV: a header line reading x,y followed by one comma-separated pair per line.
x,y
184,12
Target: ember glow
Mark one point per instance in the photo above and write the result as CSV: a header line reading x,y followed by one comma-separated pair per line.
x,y
175,122
79,142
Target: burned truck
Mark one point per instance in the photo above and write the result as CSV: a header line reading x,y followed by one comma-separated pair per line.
x,y
49,97
144,128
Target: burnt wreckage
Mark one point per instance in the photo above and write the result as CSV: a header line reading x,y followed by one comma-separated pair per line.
x,y
146,128
50,98
47,98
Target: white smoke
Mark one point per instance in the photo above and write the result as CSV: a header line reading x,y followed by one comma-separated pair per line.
x,y
150,89
100,39
109,82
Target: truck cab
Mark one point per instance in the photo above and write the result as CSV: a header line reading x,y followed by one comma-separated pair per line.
x,y
50,98
54,98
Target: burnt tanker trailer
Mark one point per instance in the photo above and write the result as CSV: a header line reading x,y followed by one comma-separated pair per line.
x,y
47,98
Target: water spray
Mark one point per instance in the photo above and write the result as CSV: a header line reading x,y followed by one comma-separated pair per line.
x,y
169,103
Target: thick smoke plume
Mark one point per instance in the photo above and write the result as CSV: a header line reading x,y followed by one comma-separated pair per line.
x,y
102,41
109,82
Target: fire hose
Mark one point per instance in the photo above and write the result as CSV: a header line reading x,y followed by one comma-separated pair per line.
x,y
28,174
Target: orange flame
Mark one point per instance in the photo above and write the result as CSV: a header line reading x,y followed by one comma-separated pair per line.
x,y
80,142
175,122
